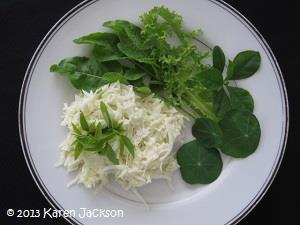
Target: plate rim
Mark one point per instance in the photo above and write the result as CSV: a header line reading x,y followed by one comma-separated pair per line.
x,y
220,3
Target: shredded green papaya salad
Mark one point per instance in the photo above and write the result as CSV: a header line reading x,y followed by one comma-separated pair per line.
x,y
138,85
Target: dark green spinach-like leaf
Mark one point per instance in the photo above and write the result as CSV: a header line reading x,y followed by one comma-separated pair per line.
x,y
207,132
103,39
105,45
241,133
112,77
112,66
107,55
84,73
245,64
211,78
134,74
240,99
218,58
237,98
131,42
230,70
199,165
221,103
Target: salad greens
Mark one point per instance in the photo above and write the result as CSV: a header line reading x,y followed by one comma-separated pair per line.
x,y
241,133
199,164
245,64
207,132
96,138
218,58
160,57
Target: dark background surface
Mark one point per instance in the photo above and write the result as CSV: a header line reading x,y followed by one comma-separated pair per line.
x,y
23,23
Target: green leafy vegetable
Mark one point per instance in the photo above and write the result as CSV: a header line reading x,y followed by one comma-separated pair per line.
x,y
84,73
240,99
106,55
177,65
230,70
134,74
106,115
207,132
89,142
111,155
83,123
78,150
199,165
112,66
105,46
121,143
128,144
241,133
221,103
236,98
143,90
76,129
98,131
174,69
112,77
160,57
107,136
218,58
245,64
103,39
130,40
211,78
97,139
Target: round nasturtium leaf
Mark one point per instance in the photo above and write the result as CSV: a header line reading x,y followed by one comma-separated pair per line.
x,y
221,103
237,98
207,132
199,165
240,98
241,133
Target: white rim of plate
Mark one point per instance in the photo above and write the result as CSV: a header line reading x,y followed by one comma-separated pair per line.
x,y
26,82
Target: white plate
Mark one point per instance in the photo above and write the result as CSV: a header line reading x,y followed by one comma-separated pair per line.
x,y
242,182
